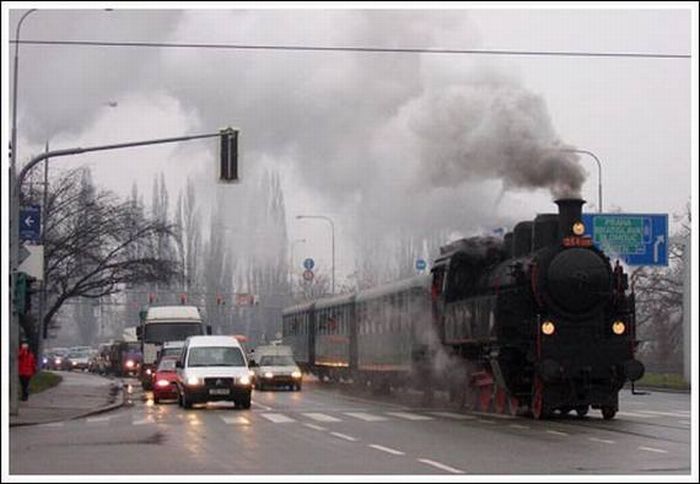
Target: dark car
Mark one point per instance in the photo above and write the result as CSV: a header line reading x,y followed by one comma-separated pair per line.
x,y
165,380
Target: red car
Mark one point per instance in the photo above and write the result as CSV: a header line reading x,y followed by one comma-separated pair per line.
x,y
164,380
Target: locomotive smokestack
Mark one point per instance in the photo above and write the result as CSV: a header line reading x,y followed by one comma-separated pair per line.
x,y
569,213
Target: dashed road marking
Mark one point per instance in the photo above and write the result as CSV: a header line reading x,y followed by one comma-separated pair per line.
x,y
456,416
236,420
367,417
441,466
315,427
409,416
343,436
387,449
321,417
264,407
652,449
632,414
97,419
277,418
518,426
556,432
602,441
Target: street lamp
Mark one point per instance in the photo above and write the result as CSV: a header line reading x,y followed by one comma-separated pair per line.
x,y
323,217
600,186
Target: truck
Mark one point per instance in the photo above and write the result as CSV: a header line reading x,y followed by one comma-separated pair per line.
x,y
160,324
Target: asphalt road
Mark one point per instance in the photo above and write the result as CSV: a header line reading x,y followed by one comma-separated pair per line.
x,y
334,430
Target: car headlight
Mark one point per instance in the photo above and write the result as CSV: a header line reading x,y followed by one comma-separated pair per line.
x,y
44,360
74,363
129,363
163,383
57,361
244,380
296,374
194,381
268,374
148,371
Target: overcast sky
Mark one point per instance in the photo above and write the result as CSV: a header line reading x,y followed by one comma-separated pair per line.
x,y
376,141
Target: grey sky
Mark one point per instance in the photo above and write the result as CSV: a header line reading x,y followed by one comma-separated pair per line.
x,y
347,131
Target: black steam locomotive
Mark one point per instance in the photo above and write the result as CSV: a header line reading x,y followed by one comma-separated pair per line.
x,y
539,320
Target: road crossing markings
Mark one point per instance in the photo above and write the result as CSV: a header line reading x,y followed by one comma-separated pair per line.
x,y
664,414
556,432
518,426
457,416
321,417
236,420
144,421
409,416
602,441
343,436
97,419
632,414
315,427
386,449
264,407
441,466
277,418
652,449
367,417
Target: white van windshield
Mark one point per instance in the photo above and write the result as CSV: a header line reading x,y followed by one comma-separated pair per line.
x,y
215,356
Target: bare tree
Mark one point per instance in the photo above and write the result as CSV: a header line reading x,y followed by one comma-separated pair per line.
x,y
96,244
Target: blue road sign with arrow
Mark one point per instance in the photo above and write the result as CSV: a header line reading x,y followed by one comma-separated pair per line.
x,y
420,265
30,223
640,239
308,264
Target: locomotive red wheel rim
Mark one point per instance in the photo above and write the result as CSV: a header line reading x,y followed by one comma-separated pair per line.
x,y
500,403
485,396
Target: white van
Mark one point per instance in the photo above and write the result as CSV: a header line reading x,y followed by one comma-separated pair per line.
x,y
213,368
274,366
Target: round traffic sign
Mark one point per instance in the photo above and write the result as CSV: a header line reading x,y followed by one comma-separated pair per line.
x,y
308,275
420,264
308,264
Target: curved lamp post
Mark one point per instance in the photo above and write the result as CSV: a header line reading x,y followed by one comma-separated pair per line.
x,y
600,186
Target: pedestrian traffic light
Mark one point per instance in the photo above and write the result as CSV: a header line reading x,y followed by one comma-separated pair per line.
x,y
228,155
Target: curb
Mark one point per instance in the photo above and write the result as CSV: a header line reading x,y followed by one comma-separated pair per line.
x,y
94,411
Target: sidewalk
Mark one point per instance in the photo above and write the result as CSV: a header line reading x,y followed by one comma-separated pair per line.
x,y
78,395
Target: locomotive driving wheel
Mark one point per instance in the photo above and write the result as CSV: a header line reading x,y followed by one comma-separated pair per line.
x,y
608,412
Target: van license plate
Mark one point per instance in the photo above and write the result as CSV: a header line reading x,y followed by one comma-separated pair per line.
x,y
219,391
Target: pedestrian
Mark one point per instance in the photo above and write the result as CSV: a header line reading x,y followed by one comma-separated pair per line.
x,y
27,368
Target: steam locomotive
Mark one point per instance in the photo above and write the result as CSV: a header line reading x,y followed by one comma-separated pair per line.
x,y
538,321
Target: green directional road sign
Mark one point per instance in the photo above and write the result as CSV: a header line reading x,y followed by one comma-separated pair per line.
x,y
639,239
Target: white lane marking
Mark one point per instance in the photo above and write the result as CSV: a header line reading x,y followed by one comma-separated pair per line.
x,y
343,436
277,417
236,420
53,424
486,421
321,417
441,466
143,421
367,417
518,426
664,414
652,449
456,416
556,432
97,419
632,414
264,407
409,416
315,427
684,422
386,449
602,441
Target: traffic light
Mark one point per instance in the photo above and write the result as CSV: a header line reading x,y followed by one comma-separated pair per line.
x,y
228,155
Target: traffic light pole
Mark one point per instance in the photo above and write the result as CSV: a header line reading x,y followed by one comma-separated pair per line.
x,y
16,181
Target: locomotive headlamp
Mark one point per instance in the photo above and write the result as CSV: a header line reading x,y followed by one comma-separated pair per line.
x,y
548,328
578,228
618,327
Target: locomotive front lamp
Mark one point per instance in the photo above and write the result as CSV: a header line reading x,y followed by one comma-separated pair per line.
x,y
548,328
578,228
618,327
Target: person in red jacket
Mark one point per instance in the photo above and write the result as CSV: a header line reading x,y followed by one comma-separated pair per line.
x,y
27,368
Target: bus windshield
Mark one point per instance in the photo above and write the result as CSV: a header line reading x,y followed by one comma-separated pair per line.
x,y
161,332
